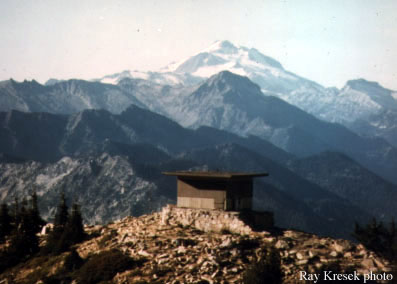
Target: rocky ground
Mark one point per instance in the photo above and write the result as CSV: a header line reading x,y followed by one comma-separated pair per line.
x,y
172,251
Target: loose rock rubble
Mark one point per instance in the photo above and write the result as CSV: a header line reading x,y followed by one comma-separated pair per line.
x,y
205,220
179,249
175,251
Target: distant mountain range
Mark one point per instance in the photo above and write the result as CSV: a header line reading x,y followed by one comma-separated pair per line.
x,y
101,158
363,106
225,101
115,179
105,142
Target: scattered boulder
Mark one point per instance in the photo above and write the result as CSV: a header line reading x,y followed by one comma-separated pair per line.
x,y
180,245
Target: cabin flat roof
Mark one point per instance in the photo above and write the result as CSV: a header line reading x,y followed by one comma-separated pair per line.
x,y
214,174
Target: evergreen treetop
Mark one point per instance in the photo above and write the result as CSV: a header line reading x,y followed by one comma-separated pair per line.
x,y
62,214
5,222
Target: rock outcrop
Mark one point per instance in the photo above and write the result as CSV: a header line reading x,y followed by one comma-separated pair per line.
x,y
241,223
173,248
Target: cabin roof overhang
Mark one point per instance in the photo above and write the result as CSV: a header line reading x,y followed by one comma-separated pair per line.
x,y
206,175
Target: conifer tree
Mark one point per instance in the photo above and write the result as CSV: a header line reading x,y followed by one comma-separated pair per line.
x,y
34,213
392,240
24,241
73,232
5,222
68,229
55,241
75,226
16,212
62,214
379,238
24,206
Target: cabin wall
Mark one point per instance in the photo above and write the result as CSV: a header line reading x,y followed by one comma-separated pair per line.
x,y
208,196
232,195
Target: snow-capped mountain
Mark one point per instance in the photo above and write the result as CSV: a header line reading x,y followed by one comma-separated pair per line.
x,y
360,105
104,137
225,101
358,99
234,103
220,56
369,109
223,55
363,106
164,77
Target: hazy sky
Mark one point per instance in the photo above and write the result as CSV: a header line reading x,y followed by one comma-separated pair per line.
x,y
326,41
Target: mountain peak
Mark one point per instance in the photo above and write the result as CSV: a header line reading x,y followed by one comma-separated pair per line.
x,y
222,46
225,74
359,83
373,89
372,93
224,55
230,78
236,81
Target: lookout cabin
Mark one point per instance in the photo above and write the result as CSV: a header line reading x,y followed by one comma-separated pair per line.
x,y
229,191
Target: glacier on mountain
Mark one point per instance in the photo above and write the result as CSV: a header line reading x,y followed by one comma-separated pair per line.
x,y
358,101
363,106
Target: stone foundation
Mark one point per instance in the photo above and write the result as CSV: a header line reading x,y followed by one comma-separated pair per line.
x,y
242,223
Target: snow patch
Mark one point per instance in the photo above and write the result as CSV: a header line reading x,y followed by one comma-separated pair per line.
x,y
108,80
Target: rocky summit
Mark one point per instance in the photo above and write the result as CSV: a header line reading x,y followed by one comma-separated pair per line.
x,y
176,246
